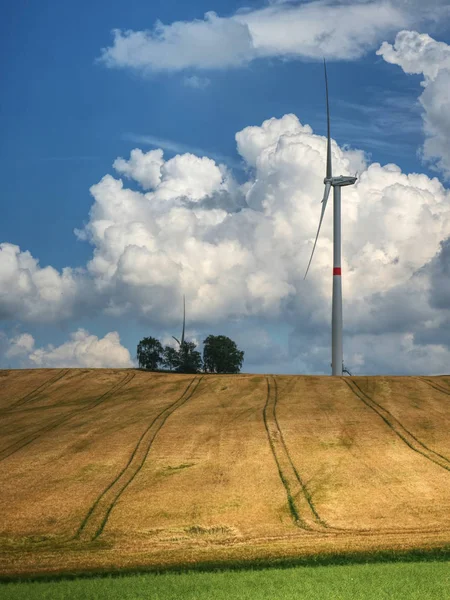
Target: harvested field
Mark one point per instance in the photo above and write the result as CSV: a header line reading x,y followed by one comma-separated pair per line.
x,y
103,469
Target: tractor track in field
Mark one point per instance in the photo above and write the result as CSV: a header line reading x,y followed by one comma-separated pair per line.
x,y
37,391
95,520
300,502
35,409
435,386
396,426
26,440
306,516
25,408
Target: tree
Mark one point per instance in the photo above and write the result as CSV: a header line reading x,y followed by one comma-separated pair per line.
x,y
221,355
170,358
149,353
189,359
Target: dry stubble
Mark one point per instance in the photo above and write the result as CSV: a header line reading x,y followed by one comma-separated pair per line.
x,y
194,476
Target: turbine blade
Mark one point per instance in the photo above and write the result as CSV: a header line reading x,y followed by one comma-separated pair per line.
x,y
184,318
324,205
177,341
329,166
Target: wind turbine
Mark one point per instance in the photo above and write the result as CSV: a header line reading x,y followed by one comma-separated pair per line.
x,y
336,183
184,323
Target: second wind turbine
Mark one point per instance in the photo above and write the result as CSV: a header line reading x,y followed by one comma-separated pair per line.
x,y
336,183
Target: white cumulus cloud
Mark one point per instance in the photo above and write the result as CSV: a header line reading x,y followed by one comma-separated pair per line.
x,y
31,292
335,29
418,53
239,251
20,346
82,350
143,168
151,247
204,43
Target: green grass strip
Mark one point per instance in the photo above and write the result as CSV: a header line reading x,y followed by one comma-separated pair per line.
x,y
408,581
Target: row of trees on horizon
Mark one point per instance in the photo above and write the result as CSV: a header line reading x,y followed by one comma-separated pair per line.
x,y
220,355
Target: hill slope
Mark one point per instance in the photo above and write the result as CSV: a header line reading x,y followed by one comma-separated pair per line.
x,y
104,468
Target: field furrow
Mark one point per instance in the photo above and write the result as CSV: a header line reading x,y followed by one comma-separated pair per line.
x,y
28,439
404,434
97,516
362,477
69,466
34,394
435,385
210,477
111,468
299,499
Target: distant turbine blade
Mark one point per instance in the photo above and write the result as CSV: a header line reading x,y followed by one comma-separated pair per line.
x,y
324,205
184,319
329,169
177,341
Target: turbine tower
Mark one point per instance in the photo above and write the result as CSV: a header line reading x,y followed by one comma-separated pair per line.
x,y
336,183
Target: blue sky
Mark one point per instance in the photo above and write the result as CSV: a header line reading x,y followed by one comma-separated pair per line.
x,y
66,117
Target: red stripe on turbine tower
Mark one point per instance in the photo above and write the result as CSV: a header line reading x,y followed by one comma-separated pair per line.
x,y
337,271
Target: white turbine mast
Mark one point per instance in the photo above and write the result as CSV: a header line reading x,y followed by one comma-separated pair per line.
x,y
336,183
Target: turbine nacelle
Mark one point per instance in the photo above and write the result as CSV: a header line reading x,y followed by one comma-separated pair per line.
x,y
341,181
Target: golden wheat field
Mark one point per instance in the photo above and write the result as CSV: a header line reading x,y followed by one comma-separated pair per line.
x,y
111,468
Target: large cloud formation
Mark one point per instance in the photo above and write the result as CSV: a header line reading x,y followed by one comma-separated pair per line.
x,y
82,350
336,29
418,53
33,293
239,251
